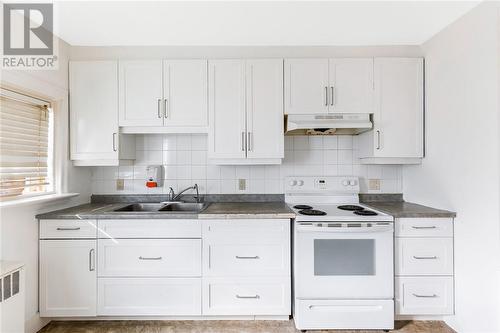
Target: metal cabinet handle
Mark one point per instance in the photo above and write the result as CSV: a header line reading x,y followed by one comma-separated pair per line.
x,y
250,141
417,257
242,141
91,260
165,108
425,296
326,96
332,98
242,257
429,227
114,141
150,258
248,297
64,229
159,107
378,139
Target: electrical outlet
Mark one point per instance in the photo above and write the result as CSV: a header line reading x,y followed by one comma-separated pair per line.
x,y
242,184
374,184
120,184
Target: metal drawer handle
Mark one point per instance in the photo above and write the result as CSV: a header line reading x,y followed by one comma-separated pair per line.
x,y
242,257
425,296
378,140
333,96
114,142
242,141
66,229
159,107
433,257
326,96
166,108
150,258
92,260
429,227
248,297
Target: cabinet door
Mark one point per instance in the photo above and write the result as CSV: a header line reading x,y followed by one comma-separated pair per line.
x,y
93,99
67,278
265,133
351,85
306,86
398,119
185,93
226,135
141,88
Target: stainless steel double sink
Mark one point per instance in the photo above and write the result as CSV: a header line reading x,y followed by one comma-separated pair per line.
x,y
163,207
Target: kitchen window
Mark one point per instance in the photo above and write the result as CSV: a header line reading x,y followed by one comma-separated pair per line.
x,y
26,146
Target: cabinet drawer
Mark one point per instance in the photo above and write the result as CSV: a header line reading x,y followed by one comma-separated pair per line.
x,y
319,314
246,229
424,256
424,295
68,229
246,296
150,257
148,296
424,227
242,259
143,228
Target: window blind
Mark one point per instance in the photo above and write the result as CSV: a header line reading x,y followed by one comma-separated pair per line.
x,y
24,145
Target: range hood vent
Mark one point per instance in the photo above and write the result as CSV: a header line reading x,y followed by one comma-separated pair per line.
x,y
327,124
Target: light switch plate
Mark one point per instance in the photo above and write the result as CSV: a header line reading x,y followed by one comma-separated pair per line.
x,y
374,184
242,184
120,184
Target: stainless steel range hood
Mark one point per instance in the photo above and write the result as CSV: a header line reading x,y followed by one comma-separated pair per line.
x,y
327,124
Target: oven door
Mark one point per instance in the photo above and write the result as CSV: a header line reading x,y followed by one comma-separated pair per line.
x,y
351,261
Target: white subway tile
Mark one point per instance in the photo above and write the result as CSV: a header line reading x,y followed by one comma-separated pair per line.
x,y
183,142
274,186
169,142
257,186
345,142
199,157
227,172
300,142
183,172
344,169
257,172
242,172
213,172
213,186
198,172
344,157
110,173
273,171
330,170
330,142
153,142
199,142
183,157
170,172
170,157
316,142
288,142
330,156
140,172
228,186
96,173
126,172
308,157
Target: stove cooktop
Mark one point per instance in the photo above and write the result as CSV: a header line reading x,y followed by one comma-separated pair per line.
x,y
334,212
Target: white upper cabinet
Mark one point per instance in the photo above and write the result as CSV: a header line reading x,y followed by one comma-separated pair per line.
x,y
316,86
95,139
185,93
351,85
264,82
398,134
227,135
306,86
141,93
246,111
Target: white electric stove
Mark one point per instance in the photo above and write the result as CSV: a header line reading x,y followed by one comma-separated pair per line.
x,y
343,256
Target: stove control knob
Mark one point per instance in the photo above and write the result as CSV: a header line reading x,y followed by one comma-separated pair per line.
x,y
300,182
345,182
353,182
293,182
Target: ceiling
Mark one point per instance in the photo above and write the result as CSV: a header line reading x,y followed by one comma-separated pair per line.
x,y
112,23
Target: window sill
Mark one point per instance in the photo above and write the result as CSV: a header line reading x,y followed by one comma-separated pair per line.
x,y
37,199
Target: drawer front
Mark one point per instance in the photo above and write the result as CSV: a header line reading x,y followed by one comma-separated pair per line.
x,y
144,228
424,295
246,296
242,259
424,256
424,227
150,257
51,229
148,296
246,229
346,314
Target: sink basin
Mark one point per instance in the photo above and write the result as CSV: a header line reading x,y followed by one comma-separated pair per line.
x,y
183,207
141,207
163,207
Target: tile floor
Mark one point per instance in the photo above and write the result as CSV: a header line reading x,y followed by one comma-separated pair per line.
x,y
218,327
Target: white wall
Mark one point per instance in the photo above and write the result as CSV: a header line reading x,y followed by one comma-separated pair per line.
x,y
461,169
18,227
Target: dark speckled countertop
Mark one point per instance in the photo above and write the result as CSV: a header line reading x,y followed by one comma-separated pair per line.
x,y
260,210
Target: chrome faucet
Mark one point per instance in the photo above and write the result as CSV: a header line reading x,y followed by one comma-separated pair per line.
x,y
174,197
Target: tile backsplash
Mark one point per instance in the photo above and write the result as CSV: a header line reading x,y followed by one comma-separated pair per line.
x,y
184,157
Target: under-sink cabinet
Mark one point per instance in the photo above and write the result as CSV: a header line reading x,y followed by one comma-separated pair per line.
x,y
153,267
424,266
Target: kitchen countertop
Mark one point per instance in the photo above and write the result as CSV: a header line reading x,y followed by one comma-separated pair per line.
x,y
224,210
262,210
408,209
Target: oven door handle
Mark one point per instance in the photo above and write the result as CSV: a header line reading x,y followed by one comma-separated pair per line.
x,y
378,228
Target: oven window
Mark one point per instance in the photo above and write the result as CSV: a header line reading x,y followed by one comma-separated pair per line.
x,y
344,257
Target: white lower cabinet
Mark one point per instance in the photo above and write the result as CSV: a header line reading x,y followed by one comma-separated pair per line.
x,y
424,295
148,296
246,296
67,278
